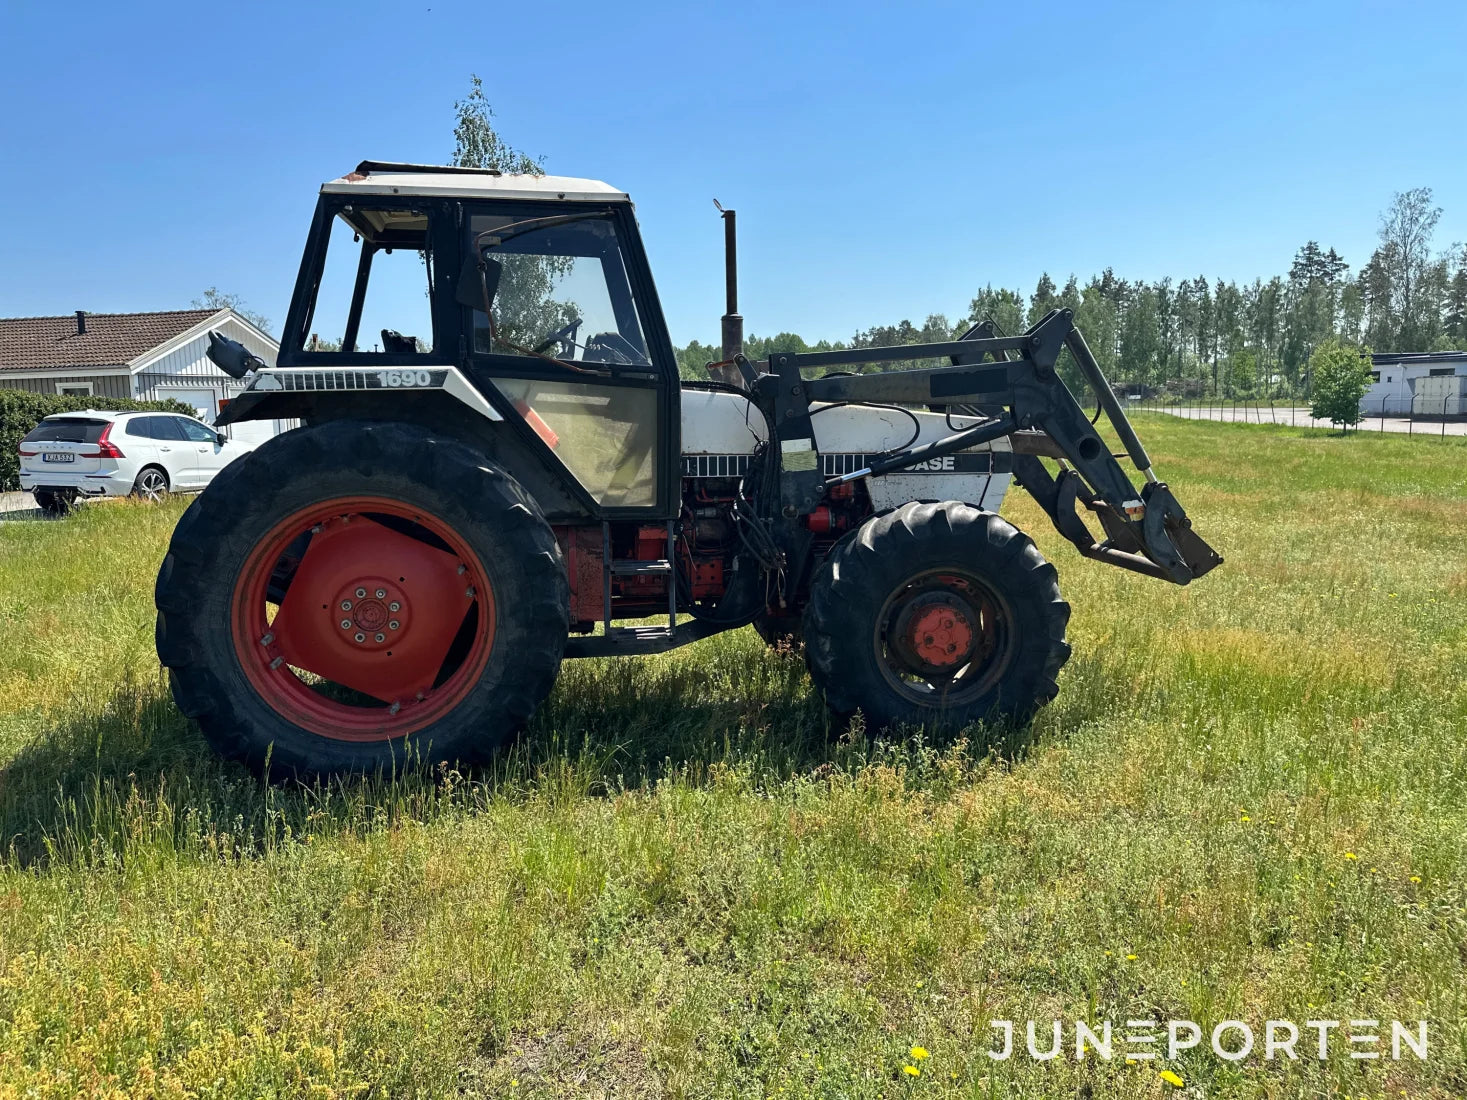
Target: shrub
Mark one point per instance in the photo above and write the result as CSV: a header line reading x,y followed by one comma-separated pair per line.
x,y
21,410
1339,376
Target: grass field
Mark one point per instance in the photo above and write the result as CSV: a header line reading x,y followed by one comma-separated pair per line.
x,y
1248,802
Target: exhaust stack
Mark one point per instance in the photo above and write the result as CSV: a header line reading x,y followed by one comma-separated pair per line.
x,y
732,324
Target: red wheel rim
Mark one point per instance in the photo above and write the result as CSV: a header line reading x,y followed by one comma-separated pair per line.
x,y
944,637
384,624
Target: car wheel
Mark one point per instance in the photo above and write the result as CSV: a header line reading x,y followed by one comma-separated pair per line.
x,y
151,484
55,502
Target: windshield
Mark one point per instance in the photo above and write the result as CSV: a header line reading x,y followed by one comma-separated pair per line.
x,y
563,291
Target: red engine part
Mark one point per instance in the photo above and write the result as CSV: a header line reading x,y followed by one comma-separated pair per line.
x,y
822,521
826,520
707,578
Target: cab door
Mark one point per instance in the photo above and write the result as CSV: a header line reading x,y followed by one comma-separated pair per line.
x,y
573,348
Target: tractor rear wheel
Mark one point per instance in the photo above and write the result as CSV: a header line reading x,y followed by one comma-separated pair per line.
x,y
937,615
351,592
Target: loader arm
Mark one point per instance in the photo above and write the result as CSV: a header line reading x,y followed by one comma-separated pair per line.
x,y
1011,385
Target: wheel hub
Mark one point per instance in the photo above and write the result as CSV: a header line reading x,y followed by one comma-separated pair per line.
x,y
370,613
935,633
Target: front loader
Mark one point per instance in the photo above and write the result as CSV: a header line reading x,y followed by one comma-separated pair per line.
x,y
506,471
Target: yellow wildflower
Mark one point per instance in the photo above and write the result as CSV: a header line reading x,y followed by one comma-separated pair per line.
x,y
1351,855
1415,878
1171,1078
912,1071
1131,958
918,1053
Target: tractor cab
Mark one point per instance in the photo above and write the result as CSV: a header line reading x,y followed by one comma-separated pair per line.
x,y
534,289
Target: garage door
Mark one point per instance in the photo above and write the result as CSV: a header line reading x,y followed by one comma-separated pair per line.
x,y
204,402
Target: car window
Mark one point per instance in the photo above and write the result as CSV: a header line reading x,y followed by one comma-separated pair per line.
x,y
138,426
194,430
71,429
166,427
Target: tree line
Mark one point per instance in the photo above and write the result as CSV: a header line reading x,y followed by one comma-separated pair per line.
x,y
1195,337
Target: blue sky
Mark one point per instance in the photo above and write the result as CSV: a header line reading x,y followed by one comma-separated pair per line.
x,y
886,160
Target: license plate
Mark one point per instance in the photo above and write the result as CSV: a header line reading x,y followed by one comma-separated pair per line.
x,y
58,456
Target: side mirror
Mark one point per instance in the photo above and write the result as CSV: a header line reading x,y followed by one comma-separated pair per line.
x,y
475,289
232,357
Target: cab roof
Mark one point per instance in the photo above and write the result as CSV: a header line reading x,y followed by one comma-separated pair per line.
x,y
373,177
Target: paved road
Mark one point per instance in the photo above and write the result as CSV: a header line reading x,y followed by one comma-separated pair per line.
x,y
1300,418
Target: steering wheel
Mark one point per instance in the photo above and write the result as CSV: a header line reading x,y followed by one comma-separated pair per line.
x,y
565,335
615,347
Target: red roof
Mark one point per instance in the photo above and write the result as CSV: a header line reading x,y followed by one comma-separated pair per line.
x,y
111,339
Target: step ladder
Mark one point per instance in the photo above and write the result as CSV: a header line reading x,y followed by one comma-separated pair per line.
x,y
651,568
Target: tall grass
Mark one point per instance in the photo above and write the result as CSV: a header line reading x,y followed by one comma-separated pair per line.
x,y
1247,802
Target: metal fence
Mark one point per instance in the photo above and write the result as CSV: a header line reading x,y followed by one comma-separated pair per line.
x,y
1438,418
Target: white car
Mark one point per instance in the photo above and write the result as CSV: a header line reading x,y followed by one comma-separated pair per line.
x,y
114,454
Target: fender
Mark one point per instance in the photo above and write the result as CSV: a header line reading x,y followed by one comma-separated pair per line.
x,y
438,398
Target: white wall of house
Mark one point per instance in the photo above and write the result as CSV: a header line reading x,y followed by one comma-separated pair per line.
x,y
1397,384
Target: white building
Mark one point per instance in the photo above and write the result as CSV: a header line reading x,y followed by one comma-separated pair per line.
x,y
146,356
1397,387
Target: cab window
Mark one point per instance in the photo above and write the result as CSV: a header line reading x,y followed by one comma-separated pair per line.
x,y
376,289
556,286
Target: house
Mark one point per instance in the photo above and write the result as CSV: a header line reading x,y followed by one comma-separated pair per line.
x,y
1397,383
147,356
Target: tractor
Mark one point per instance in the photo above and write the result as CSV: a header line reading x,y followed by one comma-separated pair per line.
x,y
495,467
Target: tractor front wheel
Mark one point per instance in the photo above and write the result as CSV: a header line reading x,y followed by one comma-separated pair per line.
x,y
353,591
937,615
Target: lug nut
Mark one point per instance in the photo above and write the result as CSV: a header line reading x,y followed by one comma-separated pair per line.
x,y
381,593
346,605
394,606
360,637
345,624
379,637
393,625
361,593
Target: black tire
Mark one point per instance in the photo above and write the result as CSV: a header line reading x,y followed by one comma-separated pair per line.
x,y
862,623
437,476
151,483
55,502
